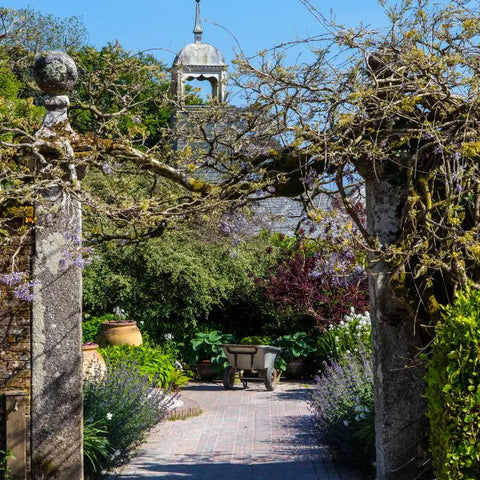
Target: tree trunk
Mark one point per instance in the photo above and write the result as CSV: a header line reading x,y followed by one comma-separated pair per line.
x,y
400,423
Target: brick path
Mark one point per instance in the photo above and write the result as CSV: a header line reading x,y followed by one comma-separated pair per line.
x,y
250,434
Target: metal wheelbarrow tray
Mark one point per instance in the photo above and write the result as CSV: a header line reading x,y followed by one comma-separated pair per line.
x,y
252,362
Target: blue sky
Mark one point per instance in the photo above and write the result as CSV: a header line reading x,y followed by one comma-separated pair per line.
x,y
168,24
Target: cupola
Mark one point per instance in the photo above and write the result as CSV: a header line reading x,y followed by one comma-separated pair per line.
x,y
199,61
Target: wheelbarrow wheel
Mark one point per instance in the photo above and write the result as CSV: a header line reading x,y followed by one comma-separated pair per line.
x,y
271,378
228,377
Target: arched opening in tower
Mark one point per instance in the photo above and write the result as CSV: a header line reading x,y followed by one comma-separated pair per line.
x,y
204,88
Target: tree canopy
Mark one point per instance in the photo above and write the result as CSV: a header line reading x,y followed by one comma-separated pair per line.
x,y
399,104
135,180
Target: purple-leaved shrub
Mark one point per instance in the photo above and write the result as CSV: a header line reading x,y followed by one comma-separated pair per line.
x,y
343,406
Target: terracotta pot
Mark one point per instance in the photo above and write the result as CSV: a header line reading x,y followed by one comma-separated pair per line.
x,y
119,333
295,368
93,363
206,370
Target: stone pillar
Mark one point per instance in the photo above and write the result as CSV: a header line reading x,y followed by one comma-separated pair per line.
x,y
400,424
56,404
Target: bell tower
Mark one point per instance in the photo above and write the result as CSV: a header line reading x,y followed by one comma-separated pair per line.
x,y
199,61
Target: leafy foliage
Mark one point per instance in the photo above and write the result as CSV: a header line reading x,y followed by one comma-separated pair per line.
x,y
296,345
30,31
343,406
208,346
91,327
160,368
96,447
256,340
453,391
24,34
172,284
344,338
4,468
134,101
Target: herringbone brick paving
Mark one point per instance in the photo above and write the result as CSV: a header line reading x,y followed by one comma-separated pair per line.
x,y
250,434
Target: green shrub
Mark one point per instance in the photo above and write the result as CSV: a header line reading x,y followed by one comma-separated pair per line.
x,y
208,346
5,455
92,326
96,447
159,368
453,390
256,340
172,284
294,346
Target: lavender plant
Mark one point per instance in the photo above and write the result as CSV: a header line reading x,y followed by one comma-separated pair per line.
x,y
124,404
343,407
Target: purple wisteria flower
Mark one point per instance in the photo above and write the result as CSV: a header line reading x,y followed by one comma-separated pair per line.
x,y
76,254
224,227
21,285
233,224
13,278
25,292
107,169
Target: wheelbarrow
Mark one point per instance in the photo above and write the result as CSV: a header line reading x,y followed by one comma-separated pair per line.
x,y
252,362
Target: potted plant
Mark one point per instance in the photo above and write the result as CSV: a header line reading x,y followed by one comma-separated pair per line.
x,y
119,331
208,353
295,348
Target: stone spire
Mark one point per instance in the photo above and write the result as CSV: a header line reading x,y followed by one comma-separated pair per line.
x,y
198,30
199,61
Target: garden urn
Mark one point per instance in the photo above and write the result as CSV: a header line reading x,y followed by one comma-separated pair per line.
x,y
124,332
94,365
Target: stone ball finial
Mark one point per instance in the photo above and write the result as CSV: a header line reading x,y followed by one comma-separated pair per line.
x,y
55,73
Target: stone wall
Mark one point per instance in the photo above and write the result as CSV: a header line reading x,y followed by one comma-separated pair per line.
x,y
15,336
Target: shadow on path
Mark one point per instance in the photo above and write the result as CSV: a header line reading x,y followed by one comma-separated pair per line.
x,y
230,471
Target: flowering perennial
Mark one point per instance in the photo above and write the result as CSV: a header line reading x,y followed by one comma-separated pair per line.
x,y
343,406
